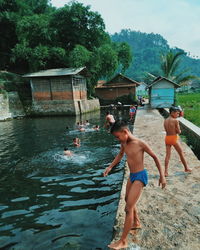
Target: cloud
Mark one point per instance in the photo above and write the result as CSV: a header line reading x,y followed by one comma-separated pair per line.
x,y
176,20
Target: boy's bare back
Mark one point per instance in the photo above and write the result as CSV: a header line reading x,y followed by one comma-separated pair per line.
x,y
171,126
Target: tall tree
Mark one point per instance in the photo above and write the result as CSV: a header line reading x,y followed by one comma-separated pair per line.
x,y
170,66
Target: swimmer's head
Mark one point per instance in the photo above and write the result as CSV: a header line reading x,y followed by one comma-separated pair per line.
x,y
120,130
65,149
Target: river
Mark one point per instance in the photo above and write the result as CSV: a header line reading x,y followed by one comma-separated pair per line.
x,y
51,201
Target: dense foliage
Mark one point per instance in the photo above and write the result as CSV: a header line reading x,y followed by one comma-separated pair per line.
x,y
148,50
191,105
34,36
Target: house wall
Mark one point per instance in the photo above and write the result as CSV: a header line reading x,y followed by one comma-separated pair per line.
x,y
59,88
110,94
162,94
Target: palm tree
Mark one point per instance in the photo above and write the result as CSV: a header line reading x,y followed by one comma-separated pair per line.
x,y
170,65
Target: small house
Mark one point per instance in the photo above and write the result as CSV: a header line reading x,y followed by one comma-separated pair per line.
x,y
60,91
120,85
162,92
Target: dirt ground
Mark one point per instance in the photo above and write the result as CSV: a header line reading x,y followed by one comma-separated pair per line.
x,y
171,217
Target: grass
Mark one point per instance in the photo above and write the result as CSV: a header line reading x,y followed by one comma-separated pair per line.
x,y
191,105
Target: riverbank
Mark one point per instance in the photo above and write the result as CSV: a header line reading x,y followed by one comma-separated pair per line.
x,y
170,217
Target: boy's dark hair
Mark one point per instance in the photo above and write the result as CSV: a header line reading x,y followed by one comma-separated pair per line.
x,y
65,149
108,112
118,126
174,109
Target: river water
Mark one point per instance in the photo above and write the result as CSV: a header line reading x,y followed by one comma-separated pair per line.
x,y
48,200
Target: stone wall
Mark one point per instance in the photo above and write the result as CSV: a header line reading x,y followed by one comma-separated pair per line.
x,y
10,106
84,106
64,107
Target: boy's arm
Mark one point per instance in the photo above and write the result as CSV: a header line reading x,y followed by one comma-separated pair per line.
x,y
178,130
115,161
148,150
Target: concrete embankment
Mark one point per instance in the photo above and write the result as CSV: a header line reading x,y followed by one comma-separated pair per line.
x,y
10,106
170,217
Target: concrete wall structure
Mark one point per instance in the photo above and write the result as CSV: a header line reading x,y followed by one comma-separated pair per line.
x,y
64,107
10,106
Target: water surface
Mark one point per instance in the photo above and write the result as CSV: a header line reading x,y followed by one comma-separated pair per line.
x,y
48,200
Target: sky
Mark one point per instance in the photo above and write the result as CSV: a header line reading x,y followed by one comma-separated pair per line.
x,y
178,21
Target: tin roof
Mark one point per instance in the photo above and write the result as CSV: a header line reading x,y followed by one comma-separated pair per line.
x,y
57,72
115,83
122,77
160,78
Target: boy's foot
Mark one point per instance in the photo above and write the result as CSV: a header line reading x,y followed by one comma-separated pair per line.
x,y
118,244
188,170
166,174
136,226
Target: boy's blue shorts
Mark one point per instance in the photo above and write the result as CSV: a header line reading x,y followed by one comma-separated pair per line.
x,y
140,176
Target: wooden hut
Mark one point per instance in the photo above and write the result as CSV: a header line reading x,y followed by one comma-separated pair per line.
x,y
118,86
162,92
59,91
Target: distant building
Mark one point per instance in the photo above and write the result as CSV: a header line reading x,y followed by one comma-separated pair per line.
x,y
162,92
120,85
60,91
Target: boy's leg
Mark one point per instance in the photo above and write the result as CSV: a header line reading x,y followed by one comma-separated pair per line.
x,y
136,220
133,196
178,148
167,157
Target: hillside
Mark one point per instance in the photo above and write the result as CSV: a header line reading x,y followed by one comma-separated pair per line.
x,y
146,50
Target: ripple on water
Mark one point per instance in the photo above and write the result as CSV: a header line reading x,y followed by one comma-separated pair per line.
x,y
53,195
14,213
20,199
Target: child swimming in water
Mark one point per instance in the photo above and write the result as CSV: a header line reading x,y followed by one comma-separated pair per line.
x,y
76,142
67,152
96,128
134,149
172,128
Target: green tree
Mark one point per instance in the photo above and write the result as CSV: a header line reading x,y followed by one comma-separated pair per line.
x,y
76,24
125,56
79,56
108,60
170,66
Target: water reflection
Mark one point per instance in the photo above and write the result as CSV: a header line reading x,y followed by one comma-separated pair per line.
x,y
48,200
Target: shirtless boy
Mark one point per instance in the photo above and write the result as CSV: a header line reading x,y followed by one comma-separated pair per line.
x,y
76,142
67,152
134,149
172,128
109,120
